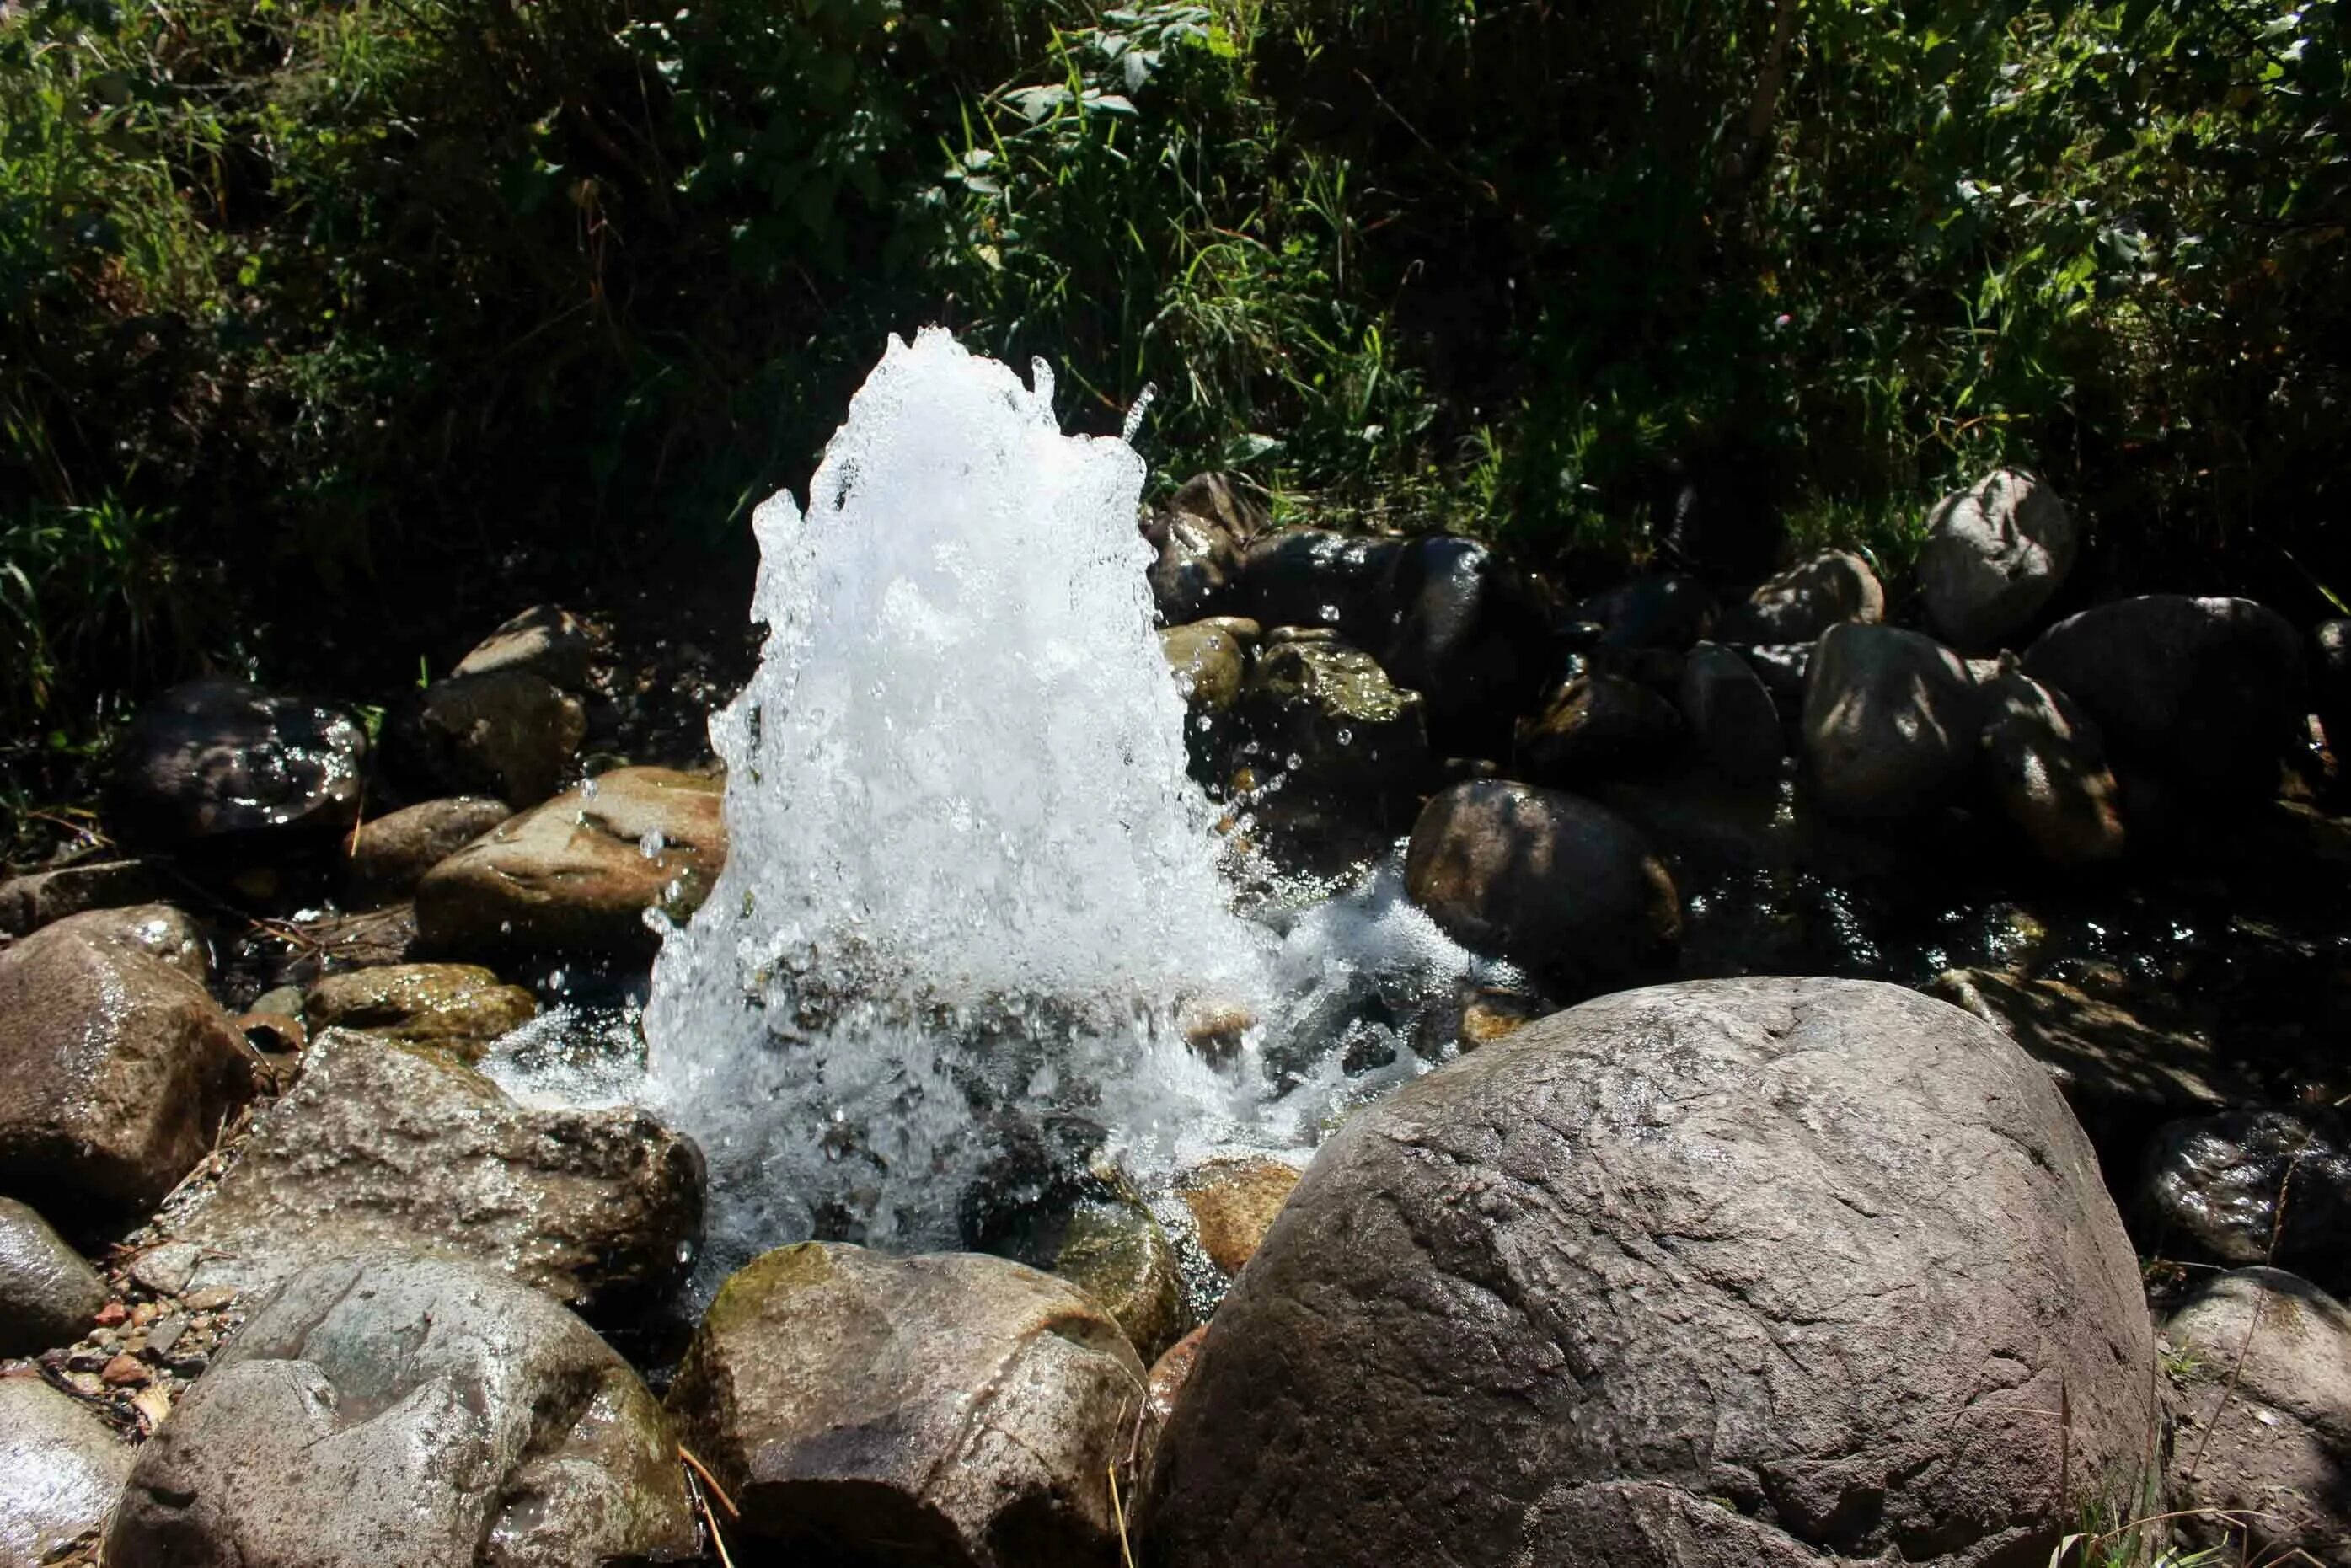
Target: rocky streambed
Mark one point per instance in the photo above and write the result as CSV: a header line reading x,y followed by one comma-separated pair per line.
x,y
1906,1126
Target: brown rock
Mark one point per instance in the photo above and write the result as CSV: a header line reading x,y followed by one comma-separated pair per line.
x,y
1806,600
125,1371
30,902
506,733
390,854
544,641
573,875
1172,1371
50,1295
1233,1204
458,1008
60,1471
1209,664
2048,770
1599,727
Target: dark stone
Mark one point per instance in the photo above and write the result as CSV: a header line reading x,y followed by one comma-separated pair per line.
x,y
1599,727
1650,612
1892,724
1805,601
1731,718
506,733
1333,710
1464,632
390,854
48,1291
1311,577
40,898
2213,1186
544,641
220,760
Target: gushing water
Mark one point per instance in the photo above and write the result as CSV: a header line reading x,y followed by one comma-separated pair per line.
x,y
971,896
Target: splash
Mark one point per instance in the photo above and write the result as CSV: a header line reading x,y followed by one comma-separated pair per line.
x,y
972,904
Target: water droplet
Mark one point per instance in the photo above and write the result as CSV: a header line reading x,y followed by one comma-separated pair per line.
x,y
1293,761
1346,737
652,845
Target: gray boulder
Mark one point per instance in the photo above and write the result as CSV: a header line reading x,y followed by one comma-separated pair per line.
x,y
1806,600
385,1146
2204,693
48,1291
1551,882
1995,552
2262,1424
945,1410
390,854
2047,768
60,1472
1736,1272
1891,723
544,641
2254,1187
221,760
117,1068
506,732
1731,717
386,1410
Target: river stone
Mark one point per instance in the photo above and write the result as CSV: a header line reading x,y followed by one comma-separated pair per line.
x,y
1715,1274
1191,570
60,1472
157,930
387,1409
574,875
2205,693
1551,882
506,733
219,760
543,641
383,1146
390,854
1891,724
117,1069
1227,500
1171,1371
1463,632
1806,600
1233,1201
2110,1060
1599,727
2047,768
951,1408
2263,1420
457,1008
48,1291
1995,553
1333,709
1311,577
1209,664
2214,1182
1115,1252
40,898
1731,717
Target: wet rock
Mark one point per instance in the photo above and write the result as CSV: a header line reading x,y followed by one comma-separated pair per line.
x,y
1995,553
117,1069
1116,1253
390,854
1463,632
945,1409
391,1409
2047,768
40,898
1831,588
1192,573
1599,727
1731,717
2204,693
542,640
1311,577
2330,679
1650,612
1891,725
157,930
1209,664
60,1471
578,873
2109,1060
1328,715
2263,1417
1171,1371
456,1008
1233,1202
506,733
2213,1186
221,760
1711,1275
1552,882
1227,500
1783,668
383,1146
48,1293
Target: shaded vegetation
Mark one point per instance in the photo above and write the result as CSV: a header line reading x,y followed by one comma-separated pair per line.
x,y
313,309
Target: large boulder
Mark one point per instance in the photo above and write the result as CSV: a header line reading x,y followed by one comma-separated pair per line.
x,y
48,1291
382,1145
2254,1187
1891,723
2047,768
2263,1420
504,732
1713,1275
117,1068
1551,882
2204,693
1463,631
1995,553
1329,717
220,760
1311,577
60,1472
458,1008
390,854
578,873
386,1410
945,1409
1806,600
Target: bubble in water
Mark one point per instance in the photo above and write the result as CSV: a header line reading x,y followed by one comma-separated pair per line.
x,y
652,845
1293,761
